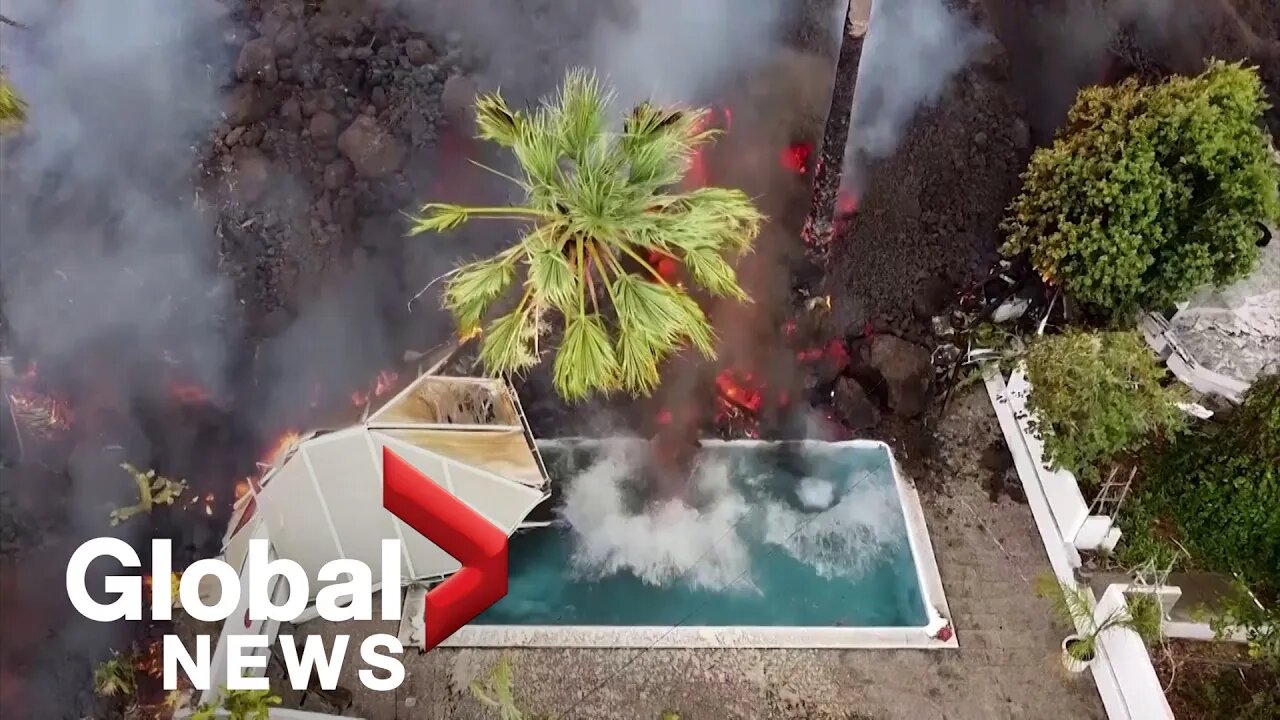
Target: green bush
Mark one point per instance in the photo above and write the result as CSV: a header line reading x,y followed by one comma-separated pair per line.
x,y
1216,490
1260,624
1150,192
1094,395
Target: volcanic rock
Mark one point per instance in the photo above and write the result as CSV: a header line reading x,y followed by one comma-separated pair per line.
x,y
336,174
931,297
855,408
1021,135
257,62
252,175
458,100
287,39
324,128
372,150
248,104
418,52
907,371
291,113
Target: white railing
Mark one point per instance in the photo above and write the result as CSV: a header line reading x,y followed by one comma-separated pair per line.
x,y
1122,669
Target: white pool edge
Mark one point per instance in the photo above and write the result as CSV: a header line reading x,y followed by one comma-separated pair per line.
x,y
868,638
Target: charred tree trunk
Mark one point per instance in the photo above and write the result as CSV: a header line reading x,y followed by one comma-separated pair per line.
x,y
820,224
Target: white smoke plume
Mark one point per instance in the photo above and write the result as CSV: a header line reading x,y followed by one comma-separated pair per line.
x,y
664,50
839,529
663,543
912,50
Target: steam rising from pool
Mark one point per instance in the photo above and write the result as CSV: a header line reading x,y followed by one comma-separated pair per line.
x,y
840,530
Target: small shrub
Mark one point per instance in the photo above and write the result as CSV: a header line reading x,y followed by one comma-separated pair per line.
x,y
1094,395
1073,604
1150,191
1260,623
1218,489
240,705
115,676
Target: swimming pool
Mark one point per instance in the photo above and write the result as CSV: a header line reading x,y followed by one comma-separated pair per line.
x,y
805,544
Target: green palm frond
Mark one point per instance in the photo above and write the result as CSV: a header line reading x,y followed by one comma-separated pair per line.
x,y
586,362
597,203
1070,602
470,292
508,345
495,121
579,112
13,109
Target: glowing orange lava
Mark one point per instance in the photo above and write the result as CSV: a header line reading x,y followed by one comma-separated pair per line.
x,y
795,157
384,383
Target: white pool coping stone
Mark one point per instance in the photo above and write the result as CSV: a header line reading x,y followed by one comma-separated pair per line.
x,y
602,636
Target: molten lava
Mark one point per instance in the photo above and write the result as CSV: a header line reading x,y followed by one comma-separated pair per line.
x,y
738,389
384,383
795,158
846,203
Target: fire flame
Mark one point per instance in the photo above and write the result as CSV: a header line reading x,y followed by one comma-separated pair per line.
x,y
280,448
384,383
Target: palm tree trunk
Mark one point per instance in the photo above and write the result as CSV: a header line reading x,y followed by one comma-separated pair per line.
x,y
820,224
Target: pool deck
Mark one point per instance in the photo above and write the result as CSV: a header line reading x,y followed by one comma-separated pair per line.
x,y
1007,665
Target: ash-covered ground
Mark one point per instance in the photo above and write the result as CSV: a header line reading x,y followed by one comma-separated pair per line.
x,y
202,239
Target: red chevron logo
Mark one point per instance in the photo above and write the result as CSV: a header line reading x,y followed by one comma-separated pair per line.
x,y
460,531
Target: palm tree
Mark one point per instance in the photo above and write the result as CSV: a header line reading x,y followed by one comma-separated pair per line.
x,y
819,226
598,207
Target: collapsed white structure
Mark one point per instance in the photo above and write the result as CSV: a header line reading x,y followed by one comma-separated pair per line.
x,y
322,499
1223,339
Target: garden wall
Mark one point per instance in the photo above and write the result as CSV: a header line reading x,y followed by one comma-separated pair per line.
x,y
1122,670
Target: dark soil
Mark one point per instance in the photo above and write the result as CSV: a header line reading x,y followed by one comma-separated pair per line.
x,y
1216,681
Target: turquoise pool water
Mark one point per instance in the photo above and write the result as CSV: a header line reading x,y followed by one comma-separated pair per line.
x,y
808,535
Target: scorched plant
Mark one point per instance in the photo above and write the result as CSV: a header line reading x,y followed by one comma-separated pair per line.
x,y
598,206
1150,192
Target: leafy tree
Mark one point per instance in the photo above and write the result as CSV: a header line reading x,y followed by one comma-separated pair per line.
x,y
597,203
1241,611
1217,491
1094,395
1150,192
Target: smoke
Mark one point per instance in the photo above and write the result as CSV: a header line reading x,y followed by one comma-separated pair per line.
x,y
739,506
114,258
663,543
670,51
674,51
911,51
109,273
